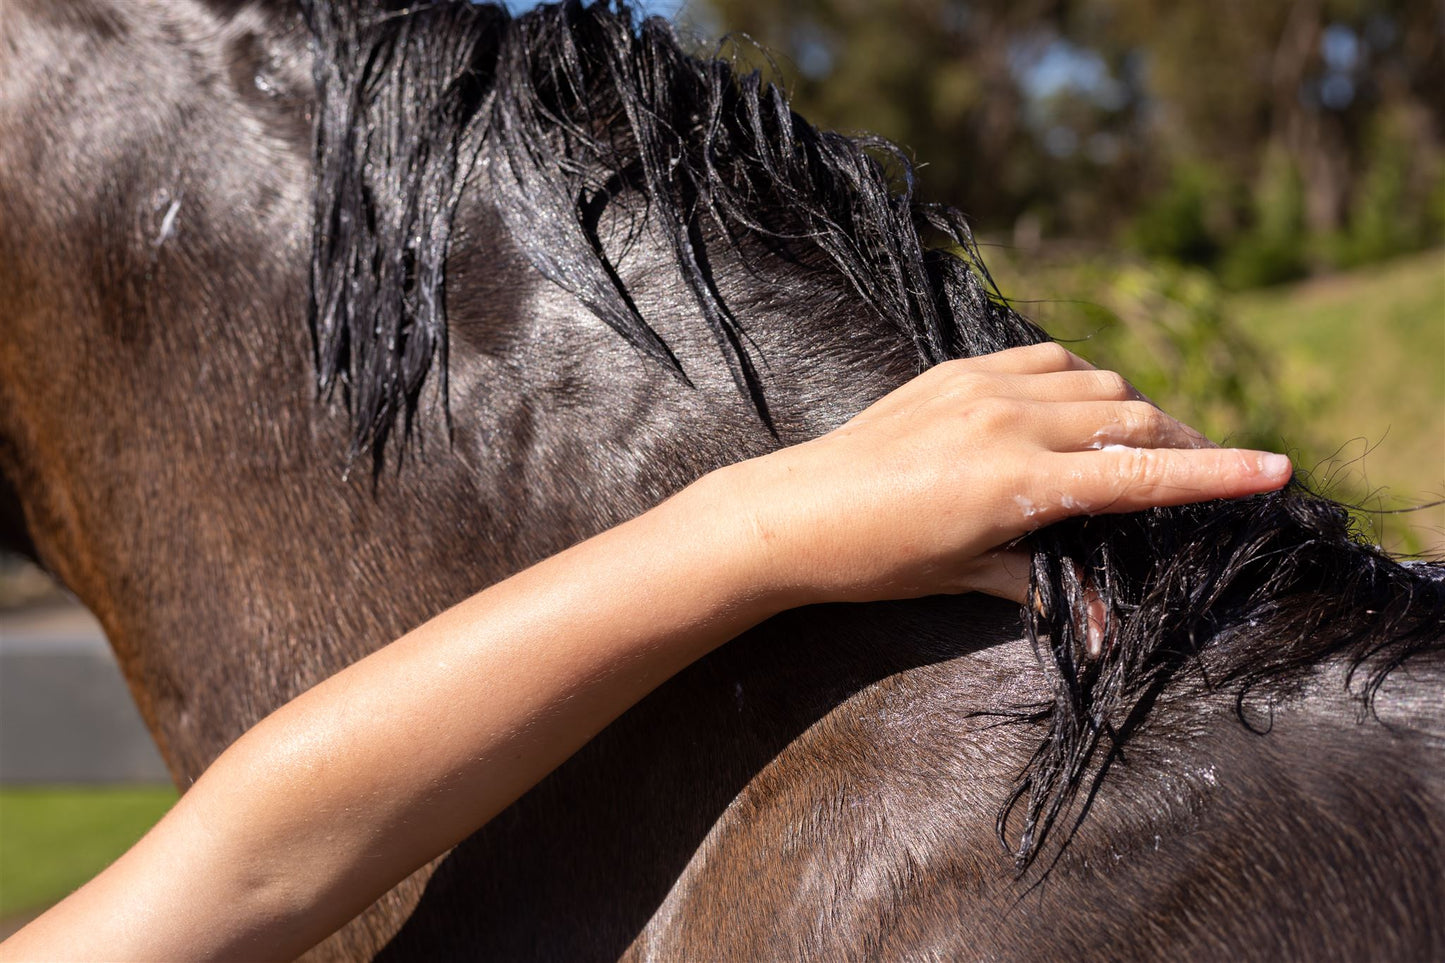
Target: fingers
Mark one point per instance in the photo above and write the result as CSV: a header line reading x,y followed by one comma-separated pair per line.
x,y
1044,372
1096,622
1033,359
1079,426
1036,359
1120,480
1061,424
1082,384
1162,477
1041,373
1003,574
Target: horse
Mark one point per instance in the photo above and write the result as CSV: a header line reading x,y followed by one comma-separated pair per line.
x,y
319,317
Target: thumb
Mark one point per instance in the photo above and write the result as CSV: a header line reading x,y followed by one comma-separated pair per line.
x,y
1003,574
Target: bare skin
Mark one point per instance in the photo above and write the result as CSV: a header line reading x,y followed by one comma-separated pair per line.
x,y
341,793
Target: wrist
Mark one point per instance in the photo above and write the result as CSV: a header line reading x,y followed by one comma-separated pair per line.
x,y
747,558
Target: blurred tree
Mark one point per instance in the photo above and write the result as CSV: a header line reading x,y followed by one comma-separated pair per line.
x,y
1329,109
1229,132
948,82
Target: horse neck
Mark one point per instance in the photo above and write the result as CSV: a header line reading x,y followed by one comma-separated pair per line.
x,y
206,508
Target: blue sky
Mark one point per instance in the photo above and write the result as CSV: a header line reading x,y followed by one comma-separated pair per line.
x,y
648,8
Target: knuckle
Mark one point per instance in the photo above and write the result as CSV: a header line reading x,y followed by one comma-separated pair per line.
x,y
993,414
1054,354
1142,471
1115,386
945,372
955,372
971,383
1140,419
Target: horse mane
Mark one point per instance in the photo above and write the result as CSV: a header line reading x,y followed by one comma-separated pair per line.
x,y
584,105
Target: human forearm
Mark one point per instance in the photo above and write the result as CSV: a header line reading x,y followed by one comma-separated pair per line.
x,y
344,791
517,679
358,782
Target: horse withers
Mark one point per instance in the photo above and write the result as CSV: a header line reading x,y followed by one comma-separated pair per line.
x,y
320,317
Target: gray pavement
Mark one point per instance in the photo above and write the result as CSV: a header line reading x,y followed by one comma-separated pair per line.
x,y
66,715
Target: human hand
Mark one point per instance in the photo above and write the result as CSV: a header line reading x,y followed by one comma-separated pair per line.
x,y
924,491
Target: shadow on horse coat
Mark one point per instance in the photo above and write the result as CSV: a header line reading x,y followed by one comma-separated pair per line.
x,y
578,268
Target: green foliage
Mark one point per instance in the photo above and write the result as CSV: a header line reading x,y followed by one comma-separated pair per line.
x,y
1256,260
1172,328
1264,141
53,839
1168,328
1386,218
942,79
1276,248
1175,223
1345,374
1359,361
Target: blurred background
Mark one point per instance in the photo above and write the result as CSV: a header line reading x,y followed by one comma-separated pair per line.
x,y
1238,203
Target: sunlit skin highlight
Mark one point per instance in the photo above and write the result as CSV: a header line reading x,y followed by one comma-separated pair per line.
x,y
332,799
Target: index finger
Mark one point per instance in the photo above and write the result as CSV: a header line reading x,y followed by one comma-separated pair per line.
x,y
1114,481
1042,358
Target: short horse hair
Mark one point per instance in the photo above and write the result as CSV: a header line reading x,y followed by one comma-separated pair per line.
x,y
589,108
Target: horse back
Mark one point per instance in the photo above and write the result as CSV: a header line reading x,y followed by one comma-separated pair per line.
x,y
1291,825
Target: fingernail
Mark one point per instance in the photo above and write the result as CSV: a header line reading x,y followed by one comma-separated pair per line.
x,y
1277,466
1094,628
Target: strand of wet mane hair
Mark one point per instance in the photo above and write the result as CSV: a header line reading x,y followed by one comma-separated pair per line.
x,y
584,106
397,91
624,108
1260,592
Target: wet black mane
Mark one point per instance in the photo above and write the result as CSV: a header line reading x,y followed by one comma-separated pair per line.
x,y
586,106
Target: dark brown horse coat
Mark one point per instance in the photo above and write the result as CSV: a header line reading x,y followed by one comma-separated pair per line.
x,y
648,275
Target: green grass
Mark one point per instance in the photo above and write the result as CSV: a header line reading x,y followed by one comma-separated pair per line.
x,y
1361,367
55,838
1346,373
